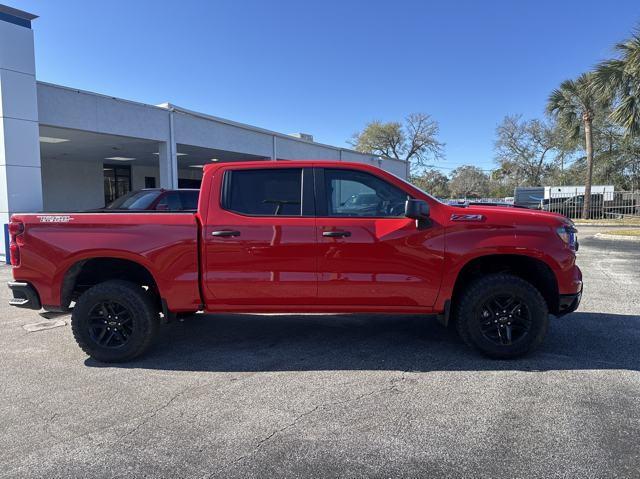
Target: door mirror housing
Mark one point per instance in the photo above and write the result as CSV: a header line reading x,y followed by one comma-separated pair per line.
x,y
416,209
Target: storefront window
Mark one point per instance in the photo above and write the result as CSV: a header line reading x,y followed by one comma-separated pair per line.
x,y
117,182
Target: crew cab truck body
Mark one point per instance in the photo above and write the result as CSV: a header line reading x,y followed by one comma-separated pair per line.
x,y
292,237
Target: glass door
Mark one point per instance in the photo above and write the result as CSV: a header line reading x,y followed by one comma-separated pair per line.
x,y
117,182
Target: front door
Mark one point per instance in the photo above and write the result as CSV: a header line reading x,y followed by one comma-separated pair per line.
x,y
370,254
259,240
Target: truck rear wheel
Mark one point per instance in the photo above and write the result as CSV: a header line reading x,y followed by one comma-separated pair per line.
x,y
114,321
502,316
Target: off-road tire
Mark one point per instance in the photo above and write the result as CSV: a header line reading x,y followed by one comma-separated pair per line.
x,y
144,319
468,318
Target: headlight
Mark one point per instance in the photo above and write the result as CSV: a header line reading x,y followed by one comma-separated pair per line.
x,y
569,235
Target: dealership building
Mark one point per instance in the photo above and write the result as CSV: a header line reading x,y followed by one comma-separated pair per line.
x,y
64,149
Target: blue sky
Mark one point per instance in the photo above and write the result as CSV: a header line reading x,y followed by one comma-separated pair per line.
x,y
327,67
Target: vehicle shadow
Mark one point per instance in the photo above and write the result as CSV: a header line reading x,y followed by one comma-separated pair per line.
x,y
243,342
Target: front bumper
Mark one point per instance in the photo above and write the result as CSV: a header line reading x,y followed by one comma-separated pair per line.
x,y
569,303
24,295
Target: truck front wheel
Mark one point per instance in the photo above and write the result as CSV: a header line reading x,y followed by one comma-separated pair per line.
x,y
502,316
114,321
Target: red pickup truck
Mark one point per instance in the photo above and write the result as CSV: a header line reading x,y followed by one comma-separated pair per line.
x,y
299,236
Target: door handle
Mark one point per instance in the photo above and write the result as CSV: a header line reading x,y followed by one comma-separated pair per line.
x,y
225,233
336,234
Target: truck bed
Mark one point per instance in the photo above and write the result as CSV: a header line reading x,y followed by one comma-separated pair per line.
x,y
165,243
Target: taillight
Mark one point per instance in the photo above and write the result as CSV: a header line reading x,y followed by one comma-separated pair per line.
x,y
14,252
16,228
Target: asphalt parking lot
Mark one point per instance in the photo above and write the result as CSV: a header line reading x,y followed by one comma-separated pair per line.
x,y
324,396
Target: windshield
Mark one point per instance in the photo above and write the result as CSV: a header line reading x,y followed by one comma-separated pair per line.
x,y
137,200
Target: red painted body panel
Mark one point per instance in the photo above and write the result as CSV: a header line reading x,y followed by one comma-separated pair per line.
x,y
272,263
385,262
285,264
164,243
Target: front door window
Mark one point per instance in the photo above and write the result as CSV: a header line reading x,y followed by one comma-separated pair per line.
x,y
352,193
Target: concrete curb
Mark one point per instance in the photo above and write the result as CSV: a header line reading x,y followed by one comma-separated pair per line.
x,y
607,225
605,236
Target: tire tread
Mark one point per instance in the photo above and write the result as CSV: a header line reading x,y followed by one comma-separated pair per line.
x,y
129,292
475,291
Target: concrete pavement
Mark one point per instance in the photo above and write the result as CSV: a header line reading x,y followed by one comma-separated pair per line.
x,y
327,396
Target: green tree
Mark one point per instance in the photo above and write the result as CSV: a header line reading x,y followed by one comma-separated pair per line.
x,y
469,182
414,142
574,105
433,182
501,183
617,81
616,156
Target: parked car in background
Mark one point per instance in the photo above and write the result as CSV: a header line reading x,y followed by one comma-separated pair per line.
x,y
572,207
157,199
528,196
622,204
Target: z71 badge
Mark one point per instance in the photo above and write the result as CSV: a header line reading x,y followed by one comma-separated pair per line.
x,y
467,217
55,218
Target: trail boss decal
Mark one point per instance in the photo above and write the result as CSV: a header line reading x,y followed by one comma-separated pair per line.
x,y
55,218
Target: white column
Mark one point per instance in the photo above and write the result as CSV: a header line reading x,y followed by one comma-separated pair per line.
x,y
20,175
168,162
274,148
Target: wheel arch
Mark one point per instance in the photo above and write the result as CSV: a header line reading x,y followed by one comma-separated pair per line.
x,y
87,272
533,270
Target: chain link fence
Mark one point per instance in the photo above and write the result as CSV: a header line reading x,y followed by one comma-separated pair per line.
x,y
570,203
606,205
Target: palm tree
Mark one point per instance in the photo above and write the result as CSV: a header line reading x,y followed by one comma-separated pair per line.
x,y
574,105
618,82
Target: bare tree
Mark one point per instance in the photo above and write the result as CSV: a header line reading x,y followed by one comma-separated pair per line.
x,y
415,142
469,181
433,182
525,149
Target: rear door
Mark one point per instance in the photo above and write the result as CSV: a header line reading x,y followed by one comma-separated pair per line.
x,y
370,254
260,248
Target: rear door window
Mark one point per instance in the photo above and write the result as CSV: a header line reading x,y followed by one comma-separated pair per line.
x,y
263,192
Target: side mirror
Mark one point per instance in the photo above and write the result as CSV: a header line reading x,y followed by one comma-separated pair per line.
x,y
416,209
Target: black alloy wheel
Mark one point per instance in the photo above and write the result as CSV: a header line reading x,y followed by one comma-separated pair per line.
x,y
110,324
501,315
115,321
505,319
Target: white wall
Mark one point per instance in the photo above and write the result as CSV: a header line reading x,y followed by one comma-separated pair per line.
x,y
20,188
139,172
398,168
293,149
190,173
72,185
79,185
191,130
68,108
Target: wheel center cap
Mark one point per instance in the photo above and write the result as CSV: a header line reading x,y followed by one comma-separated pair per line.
x,y
112,323
503,319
